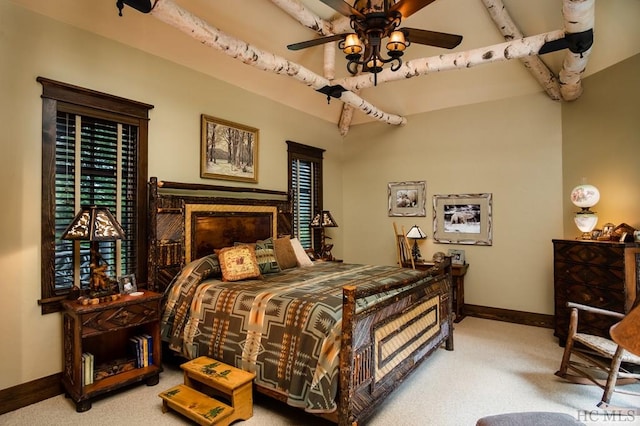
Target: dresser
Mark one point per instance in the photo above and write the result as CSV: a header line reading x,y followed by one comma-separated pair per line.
x,y
602,274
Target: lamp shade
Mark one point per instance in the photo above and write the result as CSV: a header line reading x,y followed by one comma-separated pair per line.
x,y
585,196
94,223
416,233
396,42
352,45
323,220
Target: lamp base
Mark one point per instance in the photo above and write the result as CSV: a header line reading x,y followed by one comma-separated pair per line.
x,y
415,251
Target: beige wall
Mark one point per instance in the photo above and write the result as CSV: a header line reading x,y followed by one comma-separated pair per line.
x,y
32,46
601,142
510,148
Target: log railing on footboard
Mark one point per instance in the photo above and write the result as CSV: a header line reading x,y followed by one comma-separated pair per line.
x,y
382,344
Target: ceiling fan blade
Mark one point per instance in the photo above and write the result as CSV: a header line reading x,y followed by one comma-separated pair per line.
x,y
409,7
343,7
315,42
432,38
552,46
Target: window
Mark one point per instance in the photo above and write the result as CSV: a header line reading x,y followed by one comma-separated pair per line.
x,y
305,185
94,150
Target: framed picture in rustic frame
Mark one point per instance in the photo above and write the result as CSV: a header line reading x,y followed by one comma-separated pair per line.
x,y
463,219
457,256
228,150
407,198
127,284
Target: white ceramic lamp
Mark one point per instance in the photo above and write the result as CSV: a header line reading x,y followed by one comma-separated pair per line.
x,y
585,196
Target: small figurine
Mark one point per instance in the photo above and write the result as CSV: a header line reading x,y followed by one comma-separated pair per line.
x,y
99,279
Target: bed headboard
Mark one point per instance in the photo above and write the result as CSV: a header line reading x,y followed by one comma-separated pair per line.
x,y
188,221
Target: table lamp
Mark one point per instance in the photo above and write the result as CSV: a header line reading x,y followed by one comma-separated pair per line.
x,y
585,196
95,224
324,220
415,233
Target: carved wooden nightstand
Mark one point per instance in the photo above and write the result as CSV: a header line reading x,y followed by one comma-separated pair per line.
x,y
104,330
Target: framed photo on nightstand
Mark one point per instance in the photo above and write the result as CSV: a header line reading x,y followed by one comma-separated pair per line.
x,y
457,256
127,284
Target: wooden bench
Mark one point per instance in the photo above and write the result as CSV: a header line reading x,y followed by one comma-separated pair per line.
x,y
206,381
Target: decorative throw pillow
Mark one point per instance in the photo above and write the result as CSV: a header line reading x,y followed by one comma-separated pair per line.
x,y
284,253
266,256
301,255
238,263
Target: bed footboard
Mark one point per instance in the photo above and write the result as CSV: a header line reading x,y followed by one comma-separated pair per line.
x,y
382,344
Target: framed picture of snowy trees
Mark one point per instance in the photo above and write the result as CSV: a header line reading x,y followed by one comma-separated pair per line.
x,y
462,219
229,150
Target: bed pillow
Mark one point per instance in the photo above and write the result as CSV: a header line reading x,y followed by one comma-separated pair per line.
x,y
238,263
301,256
284,253
266,256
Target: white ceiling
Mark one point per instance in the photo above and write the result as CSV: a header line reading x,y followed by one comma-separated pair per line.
x,y
264,25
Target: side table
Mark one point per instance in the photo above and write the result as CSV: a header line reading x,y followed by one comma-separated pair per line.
x,y
457,277
104,330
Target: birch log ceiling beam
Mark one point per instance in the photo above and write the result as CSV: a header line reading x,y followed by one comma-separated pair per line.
x,y
534,64
578,18
457,60
170,13
322,27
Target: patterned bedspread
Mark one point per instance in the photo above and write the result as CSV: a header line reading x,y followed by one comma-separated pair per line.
x,y
284,327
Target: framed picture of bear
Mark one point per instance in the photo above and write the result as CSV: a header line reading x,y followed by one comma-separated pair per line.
x,y
407,198
463,219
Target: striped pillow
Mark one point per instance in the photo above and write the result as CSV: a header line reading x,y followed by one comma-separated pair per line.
x,y
266,256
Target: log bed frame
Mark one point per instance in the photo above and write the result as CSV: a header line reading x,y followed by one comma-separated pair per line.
x,y
418,319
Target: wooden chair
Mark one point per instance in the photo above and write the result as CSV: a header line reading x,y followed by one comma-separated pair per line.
x,y
587,356
403,249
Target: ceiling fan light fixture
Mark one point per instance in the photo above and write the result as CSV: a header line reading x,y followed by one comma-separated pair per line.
x,y
375,23
397,42
352,45
374,65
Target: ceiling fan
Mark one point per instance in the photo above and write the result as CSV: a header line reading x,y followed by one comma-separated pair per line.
x,y
372,21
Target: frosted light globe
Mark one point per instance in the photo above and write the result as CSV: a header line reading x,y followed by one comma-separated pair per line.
x,y
585,196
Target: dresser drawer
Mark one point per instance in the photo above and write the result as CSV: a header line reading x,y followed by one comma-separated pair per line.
x,y
592,296
119,317
590,275
596,297
604,254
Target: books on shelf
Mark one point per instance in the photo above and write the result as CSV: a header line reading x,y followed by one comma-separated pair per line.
x,y
87,368
142,349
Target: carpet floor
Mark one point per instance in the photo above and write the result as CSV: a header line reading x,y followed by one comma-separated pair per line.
x,y
496,367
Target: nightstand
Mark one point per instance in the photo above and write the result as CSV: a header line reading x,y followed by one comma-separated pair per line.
x,y
457,278
104,330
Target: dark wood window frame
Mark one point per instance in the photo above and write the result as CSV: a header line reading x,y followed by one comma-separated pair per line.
x,y
56,95
298,151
